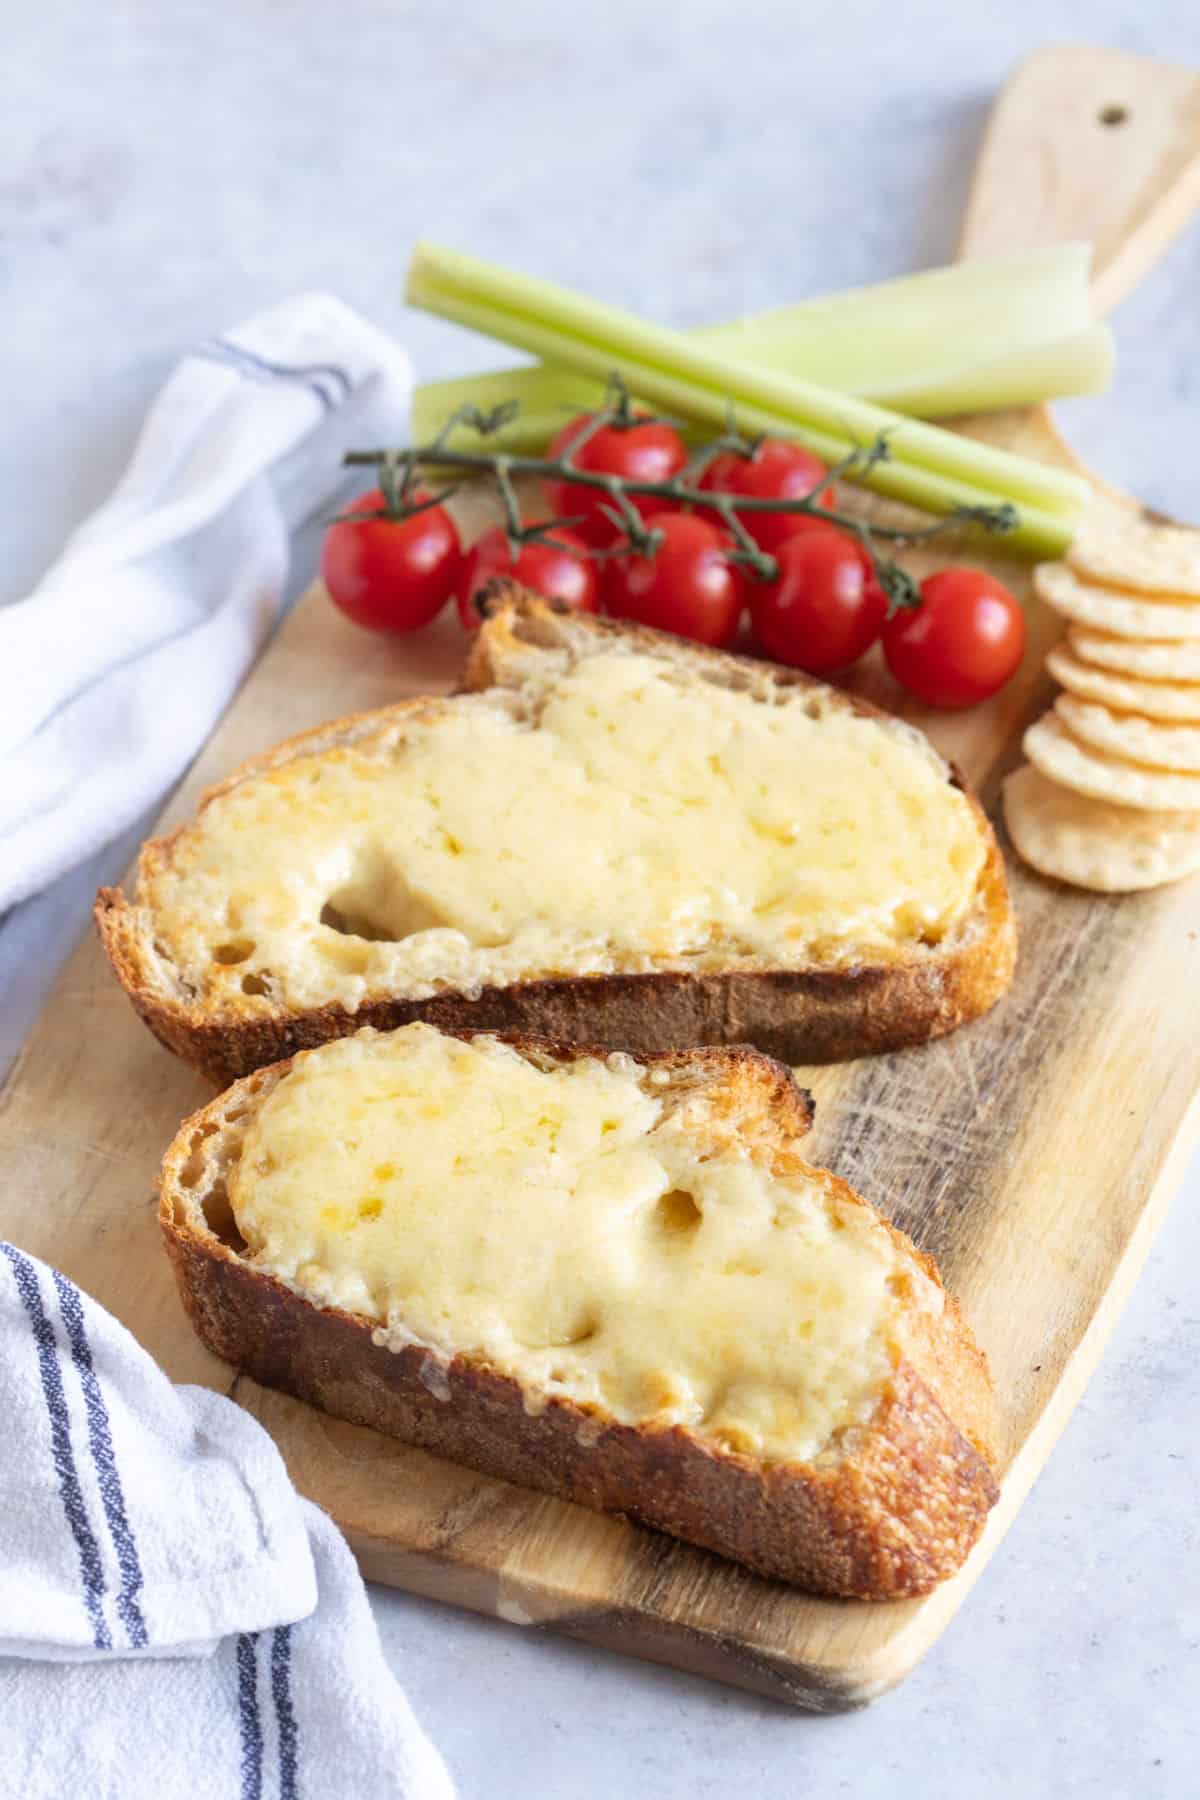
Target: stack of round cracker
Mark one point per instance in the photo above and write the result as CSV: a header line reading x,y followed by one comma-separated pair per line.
x,y
1110,798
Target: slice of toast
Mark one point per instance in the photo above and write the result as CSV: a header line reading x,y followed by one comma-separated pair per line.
x,y
608,835
611,1280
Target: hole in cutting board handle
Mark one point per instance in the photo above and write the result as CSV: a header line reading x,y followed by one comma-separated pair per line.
x,y
1113,115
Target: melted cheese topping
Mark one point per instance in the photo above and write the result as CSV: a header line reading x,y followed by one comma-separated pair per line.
x,y
641,820
577,1231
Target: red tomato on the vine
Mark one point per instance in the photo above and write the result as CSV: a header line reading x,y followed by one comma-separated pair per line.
x,y
558,570
964,641
777,470
689,586
391,574
647,451
824,608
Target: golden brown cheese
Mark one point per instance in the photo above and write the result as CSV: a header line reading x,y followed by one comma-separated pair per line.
x,y
568,1227
638,821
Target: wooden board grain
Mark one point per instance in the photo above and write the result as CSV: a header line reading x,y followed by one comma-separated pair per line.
x,y
1033,1153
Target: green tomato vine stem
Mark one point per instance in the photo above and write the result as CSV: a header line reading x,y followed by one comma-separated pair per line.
x,y
398,469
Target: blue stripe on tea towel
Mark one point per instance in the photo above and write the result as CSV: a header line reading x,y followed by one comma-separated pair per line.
x,y
329,383
248,1715
62,1453
337,377
281,1690
129,1611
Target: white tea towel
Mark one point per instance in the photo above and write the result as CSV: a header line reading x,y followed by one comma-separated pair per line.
x,y
115,669
174,1619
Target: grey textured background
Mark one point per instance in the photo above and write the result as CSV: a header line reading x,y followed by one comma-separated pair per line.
x,y
167,167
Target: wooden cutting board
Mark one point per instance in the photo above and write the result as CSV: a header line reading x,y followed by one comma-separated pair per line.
x,y
1033,1153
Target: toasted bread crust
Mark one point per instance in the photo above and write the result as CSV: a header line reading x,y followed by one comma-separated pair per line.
x,y
802,1015
799,1015
891,1515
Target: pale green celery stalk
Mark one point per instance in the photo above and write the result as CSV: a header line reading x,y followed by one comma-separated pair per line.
x,y
1079,364
918,330
900,343
930,468
548,396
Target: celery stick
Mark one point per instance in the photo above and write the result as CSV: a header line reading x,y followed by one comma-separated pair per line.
x,y
1027,376
901,343
905,344
1040,533
1079,364
592,338
931,468
918,329
548,397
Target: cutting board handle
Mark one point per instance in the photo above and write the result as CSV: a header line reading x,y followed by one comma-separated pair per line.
x,y
1087,143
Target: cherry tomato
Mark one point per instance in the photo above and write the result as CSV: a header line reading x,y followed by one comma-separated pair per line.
x,y
808,525
778,470
650,451
964,641
561,570
391,574
688,586
824,608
